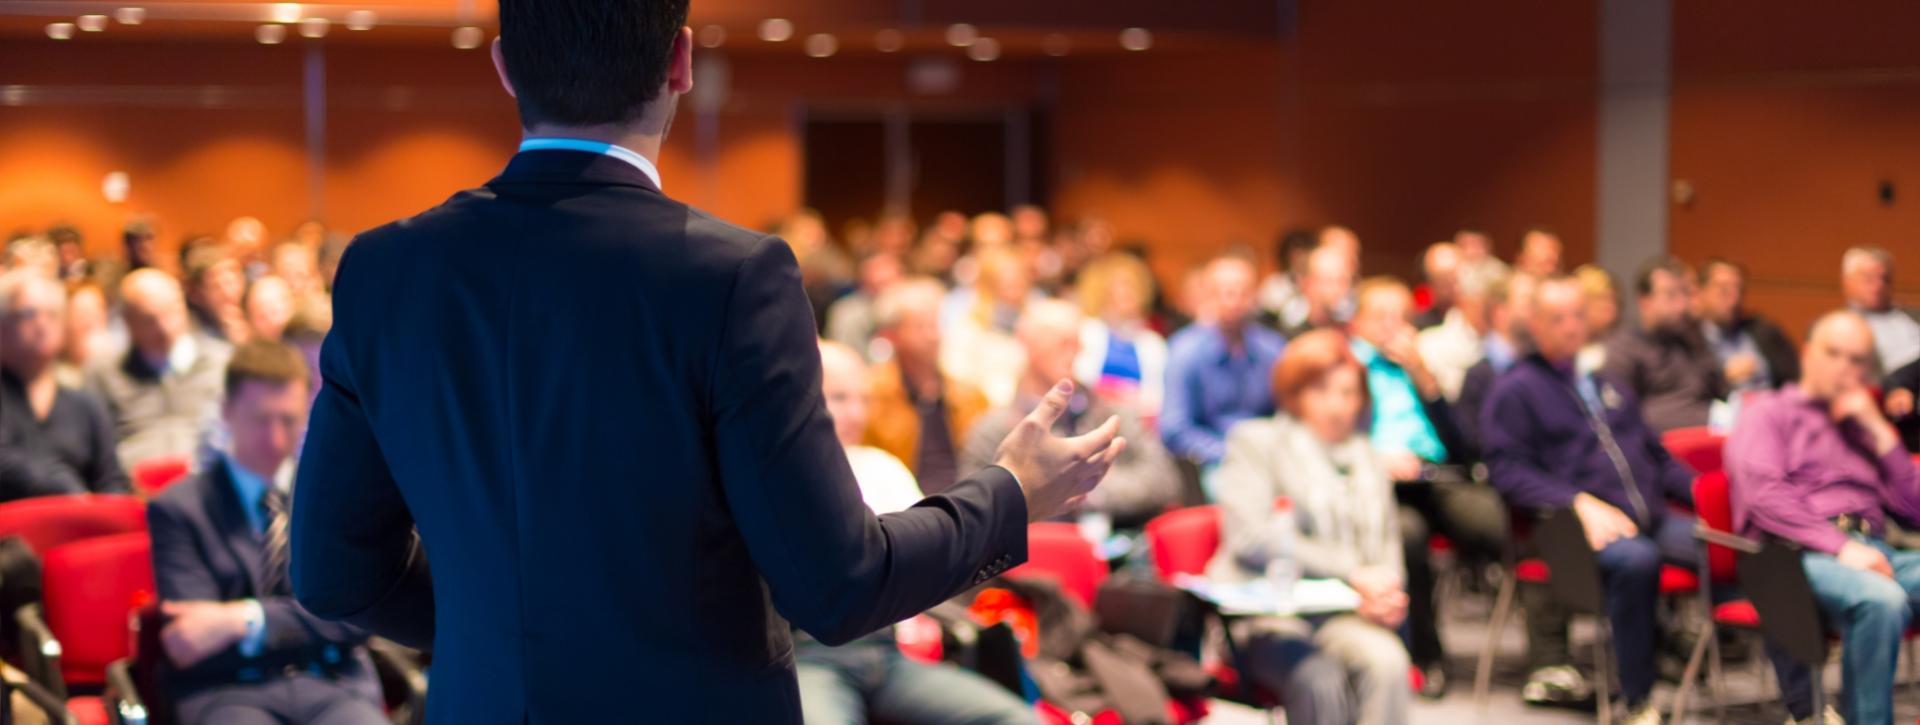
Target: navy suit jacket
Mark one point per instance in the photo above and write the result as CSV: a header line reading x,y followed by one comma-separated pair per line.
x,y
204,549
601,411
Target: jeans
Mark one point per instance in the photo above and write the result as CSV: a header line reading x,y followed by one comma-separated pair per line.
x,y
1871,612
1331,671
1630,573
870,679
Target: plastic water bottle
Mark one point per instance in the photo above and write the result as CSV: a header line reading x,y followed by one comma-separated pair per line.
x,y
1282,569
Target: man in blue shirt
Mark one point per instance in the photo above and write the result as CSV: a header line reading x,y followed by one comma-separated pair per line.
x,y
239,648
1218,368
1413,430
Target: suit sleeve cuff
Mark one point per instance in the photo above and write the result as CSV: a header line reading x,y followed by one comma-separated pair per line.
x,y
1010,508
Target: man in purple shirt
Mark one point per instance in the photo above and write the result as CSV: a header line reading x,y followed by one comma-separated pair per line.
x,y
1816,464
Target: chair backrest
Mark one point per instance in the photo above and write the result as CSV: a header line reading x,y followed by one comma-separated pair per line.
x,y
154,475
90,590
1184,541
1058,551
1714,509
1776,582
1700,448
1575,579
50,521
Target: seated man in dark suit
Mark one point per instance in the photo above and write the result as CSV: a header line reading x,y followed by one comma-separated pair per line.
x,y
242,650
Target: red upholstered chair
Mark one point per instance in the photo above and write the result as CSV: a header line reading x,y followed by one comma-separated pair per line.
x,y
1057,551
91,589
154,475
1700,448
49,521
1183,541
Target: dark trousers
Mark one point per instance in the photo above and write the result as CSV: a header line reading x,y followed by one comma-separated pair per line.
x,y
299,699
1473,517
1630,573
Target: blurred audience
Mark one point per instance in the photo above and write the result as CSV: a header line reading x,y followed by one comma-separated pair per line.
x,y
240,649
53,439
166,387
1754,353
919,414
270,304
1345,668
1816,464
1558,438
1665,361
1476,254
1452,342
1440,267
1120,355
850,320
1603,313
1218,369
978,332
86,338
1143,481
216,288
1866,280
1508,300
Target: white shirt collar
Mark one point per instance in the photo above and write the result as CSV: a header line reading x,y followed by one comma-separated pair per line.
x,y
617,151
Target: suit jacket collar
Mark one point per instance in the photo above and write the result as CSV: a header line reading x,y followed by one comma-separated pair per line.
x,y
564,166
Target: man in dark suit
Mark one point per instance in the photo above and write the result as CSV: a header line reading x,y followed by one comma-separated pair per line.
x,y
620,525
241,649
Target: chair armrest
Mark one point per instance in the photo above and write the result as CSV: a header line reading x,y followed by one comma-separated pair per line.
x,y
955,621
54,708
122,696
1721,538
394,658
40,650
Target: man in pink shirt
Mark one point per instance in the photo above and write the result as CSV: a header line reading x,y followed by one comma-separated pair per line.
x,y
1817,464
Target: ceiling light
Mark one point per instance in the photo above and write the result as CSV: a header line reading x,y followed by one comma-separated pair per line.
x,y
1136,39
713,36
1056,44
59,31
984,49
130,16
776,30
314,27
468,37
270,34
821,45
889,40
360,20
92,23
961,35
284,13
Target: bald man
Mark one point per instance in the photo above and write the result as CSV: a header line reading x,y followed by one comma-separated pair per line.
x,y
1142,483
1817,464
53,440
167,387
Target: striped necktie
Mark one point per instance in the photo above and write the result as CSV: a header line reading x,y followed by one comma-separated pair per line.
x,y
275,580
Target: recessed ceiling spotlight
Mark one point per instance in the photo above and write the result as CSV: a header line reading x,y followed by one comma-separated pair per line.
x,y
1136,39
285,13
130,16
270,34
468,37
1056,44
776,30
984,49
713,36
361,20
59,31
822,45
92,23
314,27
961,35
889,41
